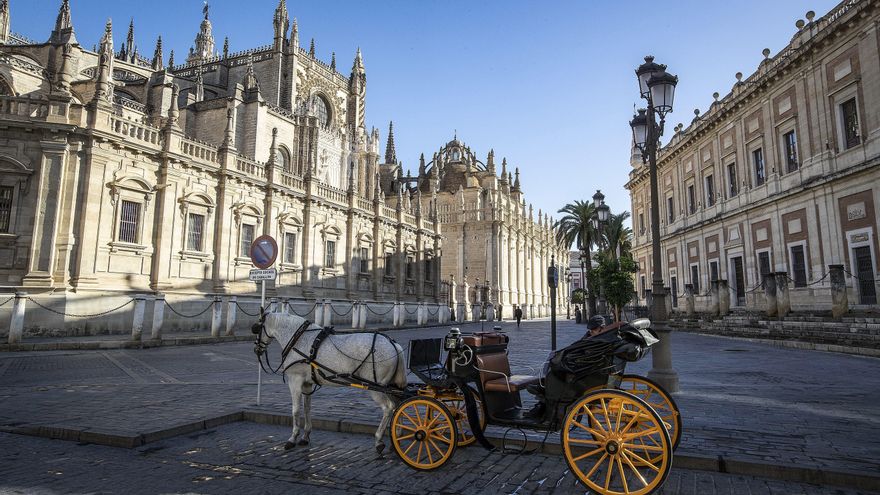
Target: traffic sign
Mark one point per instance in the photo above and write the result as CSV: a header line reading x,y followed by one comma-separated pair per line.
x,y
264,251
257,274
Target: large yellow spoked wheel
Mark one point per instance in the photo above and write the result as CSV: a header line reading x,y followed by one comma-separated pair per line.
x,y
423,433
624,448
459,413
656,397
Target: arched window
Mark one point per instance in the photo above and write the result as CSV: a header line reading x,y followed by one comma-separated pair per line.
x,y
282,158
5,88
322,109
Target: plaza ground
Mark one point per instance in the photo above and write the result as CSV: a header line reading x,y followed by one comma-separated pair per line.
x,y
756,409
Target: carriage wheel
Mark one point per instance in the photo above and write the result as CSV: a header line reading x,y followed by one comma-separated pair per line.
x,y
423,433
459,413
656,397
624,449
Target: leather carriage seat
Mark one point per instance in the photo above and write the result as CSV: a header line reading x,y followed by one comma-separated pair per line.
x,y
493,365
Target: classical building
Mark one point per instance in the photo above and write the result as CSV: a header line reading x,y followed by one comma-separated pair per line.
x,y
121,173
497,248
780,175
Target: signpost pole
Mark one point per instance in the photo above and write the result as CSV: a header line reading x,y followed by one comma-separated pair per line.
x,y
552,282
264,251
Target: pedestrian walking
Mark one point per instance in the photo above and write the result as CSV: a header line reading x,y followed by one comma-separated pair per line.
x,y
578,317
518,314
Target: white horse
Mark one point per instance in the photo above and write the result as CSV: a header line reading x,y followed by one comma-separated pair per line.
x,y
377,359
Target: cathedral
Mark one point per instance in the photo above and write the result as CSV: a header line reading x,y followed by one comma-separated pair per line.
x,y
125,172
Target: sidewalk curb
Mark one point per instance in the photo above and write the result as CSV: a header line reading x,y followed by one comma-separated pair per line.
x,y
682,459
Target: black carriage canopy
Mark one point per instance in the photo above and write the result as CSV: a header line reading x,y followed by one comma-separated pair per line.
x,y
606,352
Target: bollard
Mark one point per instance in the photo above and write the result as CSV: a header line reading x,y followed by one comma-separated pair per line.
x,y
231,313
216,317
328,312
137,324
723,297
783,303
689,303
362,321
319,312
714,309
839,303
770,294
16,323
355,314
397,318
158,316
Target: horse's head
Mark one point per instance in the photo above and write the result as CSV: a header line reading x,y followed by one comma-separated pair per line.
x,y
262,338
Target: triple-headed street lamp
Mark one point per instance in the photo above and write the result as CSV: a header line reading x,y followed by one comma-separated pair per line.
x,y
601,214
657,87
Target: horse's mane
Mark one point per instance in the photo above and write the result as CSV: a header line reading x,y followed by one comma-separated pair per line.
x,y
282,326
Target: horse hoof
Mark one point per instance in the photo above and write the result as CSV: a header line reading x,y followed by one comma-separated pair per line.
x,y
303,442
289,445
380,447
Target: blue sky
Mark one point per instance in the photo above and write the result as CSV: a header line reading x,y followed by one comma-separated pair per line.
x,y
549,85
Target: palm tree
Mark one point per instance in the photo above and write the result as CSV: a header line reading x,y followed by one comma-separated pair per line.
x,y
576,227
618,237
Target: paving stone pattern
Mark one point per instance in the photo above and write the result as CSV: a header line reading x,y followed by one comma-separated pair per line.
x,y
249,458
740,400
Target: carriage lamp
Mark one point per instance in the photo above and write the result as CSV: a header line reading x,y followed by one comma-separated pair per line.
x,y
453,340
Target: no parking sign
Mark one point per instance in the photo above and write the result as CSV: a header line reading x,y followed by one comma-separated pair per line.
x,y
264,251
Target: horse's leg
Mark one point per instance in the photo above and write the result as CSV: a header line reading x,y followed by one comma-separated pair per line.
x,y
307,414
387,409
295,382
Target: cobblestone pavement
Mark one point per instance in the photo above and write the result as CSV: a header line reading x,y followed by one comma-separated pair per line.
x,y
249,458
740,400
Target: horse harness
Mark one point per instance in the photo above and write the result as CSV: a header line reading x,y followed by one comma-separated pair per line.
x,y
326,373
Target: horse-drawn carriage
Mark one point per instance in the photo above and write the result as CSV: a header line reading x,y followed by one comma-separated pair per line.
x,y
617,431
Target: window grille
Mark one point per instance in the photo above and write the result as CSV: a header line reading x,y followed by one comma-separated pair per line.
x,y
5,208
129,220
194,232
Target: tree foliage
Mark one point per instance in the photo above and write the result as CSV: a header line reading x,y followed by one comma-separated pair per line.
x,y
615,280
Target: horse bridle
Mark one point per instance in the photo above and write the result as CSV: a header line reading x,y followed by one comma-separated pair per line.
x,y
259,328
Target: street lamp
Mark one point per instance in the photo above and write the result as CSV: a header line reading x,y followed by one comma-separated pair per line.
x,y
657,87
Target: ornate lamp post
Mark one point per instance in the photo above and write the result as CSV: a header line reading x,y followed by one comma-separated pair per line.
x,y
657,87
599,220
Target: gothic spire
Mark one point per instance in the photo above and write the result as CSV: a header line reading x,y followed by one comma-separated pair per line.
x,y
105,68
422,166
281,22
63,32
358,65
516,180
490,162
333,61
204,42
390,153
157,55
130,49
226,47
200,85
312,48
171,60
504,170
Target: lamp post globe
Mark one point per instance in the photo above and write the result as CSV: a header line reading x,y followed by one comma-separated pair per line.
x,y
657,87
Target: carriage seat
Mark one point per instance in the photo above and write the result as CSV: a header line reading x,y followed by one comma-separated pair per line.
x,y
495,374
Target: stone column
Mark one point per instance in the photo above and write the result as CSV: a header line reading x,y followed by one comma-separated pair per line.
x,y
770,294
839,302
231,314
723,297
689,300
158,316
490,312
475,312
216,316
714,306
137,324
783,303
49,188
16,323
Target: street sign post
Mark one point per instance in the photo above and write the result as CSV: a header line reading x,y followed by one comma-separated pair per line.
x,y
264,252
